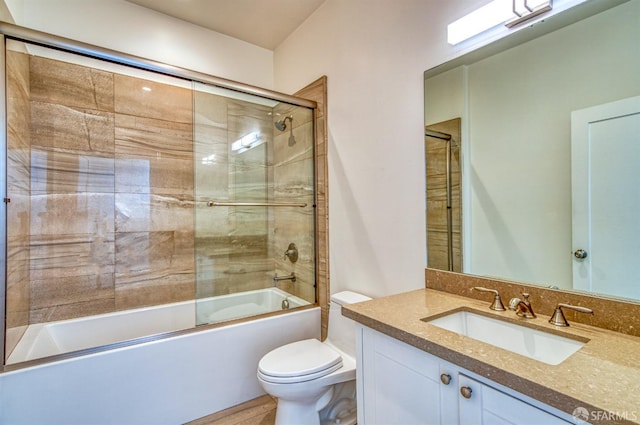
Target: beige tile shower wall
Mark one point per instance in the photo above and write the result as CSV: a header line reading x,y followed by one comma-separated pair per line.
x,y
251,264
154,239
232,253
317,91
294,181
213,226
18,170
72,176
111,183
436,211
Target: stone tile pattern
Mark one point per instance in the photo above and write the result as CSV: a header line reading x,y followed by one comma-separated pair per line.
x,y
436,211
317,91
18,210
232,243
111,192
109,211
294,182
242,248
615,315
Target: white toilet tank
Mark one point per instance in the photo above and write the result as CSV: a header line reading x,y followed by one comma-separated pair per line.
x,y
342,332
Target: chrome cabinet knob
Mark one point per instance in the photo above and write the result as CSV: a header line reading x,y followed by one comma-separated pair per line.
x,y
466,392
445,378
580,254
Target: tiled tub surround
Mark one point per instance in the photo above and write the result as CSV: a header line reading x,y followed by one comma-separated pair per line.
x,y
111,191
604,375
317,92
108,206
293,177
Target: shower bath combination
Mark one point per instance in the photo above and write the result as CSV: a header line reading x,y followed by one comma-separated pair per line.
x,y
137,222
111,231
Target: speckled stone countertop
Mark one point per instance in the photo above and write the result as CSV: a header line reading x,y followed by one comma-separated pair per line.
x,y
604,375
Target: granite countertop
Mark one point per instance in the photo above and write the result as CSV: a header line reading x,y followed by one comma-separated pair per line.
x,y
602,376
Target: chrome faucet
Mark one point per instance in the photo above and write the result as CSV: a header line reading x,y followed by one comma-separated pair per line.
x,y
523,308
497,302
291,277
558,318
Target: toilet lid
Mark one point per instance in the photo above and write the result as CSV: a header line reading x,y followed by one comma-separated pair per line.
x,y
300,360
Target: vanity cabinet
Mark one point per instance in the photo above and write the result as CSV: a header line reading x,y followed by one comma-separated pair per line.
x,y
400,384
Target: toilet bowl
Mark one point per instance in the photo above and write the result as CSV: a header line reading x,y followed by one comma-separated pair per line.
x,y
314,381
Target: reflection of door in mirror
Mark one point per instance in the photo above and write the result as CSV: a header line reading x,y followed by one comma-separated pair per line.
x,y
443,213
605,152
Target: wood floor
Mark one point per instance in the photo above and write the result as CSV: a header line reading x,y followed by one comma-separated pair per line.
x,y
259,411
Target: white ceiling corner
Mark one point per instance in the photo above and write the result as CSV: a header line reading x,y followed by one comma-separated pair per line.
x,y
265,23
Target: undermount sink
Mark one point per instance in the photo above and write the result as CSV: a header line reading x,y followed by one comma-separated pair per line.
x,y
536,344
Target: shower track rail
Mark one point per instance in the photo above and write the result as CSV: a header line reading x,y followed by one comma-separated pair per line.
x,y
29,35
256,204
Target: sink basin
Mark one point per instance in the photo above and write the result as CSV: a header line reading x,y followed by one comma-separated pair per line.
x,y
533,343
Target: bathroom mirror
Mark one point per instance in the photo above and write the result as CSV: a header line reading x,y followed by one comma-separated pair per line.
x,y
515,99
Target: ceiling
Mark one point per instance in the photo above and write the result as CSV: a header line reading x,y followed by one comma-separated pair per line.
x,y
265,23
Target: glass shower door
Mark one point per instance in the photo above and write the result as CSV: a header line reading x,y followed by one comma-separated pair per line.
x,y
254,187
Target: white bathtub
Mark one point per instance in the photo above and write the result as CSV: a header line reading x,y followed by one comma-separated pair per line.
x,y
165,381
47,339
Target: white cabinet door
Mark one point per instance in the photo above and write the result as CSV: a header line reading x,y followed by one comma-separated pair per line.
x,y
401,384
449,395
488,406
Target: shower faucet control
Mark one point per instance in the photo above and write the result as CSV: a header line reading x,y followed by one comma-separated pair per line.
x,y
291,253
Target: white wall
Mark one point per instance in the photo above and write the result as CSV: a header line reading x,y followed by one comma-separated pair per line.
x,y
374,53
129,28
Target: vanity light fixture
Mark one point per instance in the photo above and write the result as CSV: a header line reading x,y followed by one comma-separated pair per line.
x,y
528,9
247,142
497,12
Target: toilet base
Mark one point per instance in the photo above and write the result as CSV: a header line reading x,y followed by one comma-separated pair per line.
x,y
341,409
300,413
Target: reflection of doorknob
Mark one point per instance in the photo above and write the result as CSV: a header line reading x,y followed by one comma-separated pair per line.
x,y
580,254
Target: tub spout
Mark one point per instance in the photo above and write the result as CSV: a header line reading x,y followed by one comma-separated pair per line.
x,y
291,277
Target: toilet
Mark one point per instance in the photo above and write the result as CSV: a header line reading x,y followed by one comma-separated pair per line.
x,y
314,381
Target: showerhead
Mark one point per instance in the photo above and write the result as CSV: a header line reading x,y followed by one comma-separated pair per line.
x,y
282,124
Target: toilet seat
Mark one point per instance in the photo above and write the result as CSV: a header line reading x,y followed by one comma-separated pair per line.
x,y
298,362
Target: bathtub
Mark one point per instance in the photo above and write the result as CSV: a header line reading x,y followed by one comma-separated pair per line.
x,y
51,338
163,381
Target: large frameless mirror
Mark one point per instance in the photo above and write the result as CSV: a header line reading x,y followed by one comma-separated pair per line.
x,y
549,147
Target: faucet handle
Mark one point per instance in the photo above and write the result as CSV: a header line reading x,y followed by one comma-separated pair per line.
x,y
291,253
524,307
558,319
497,301
513,303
